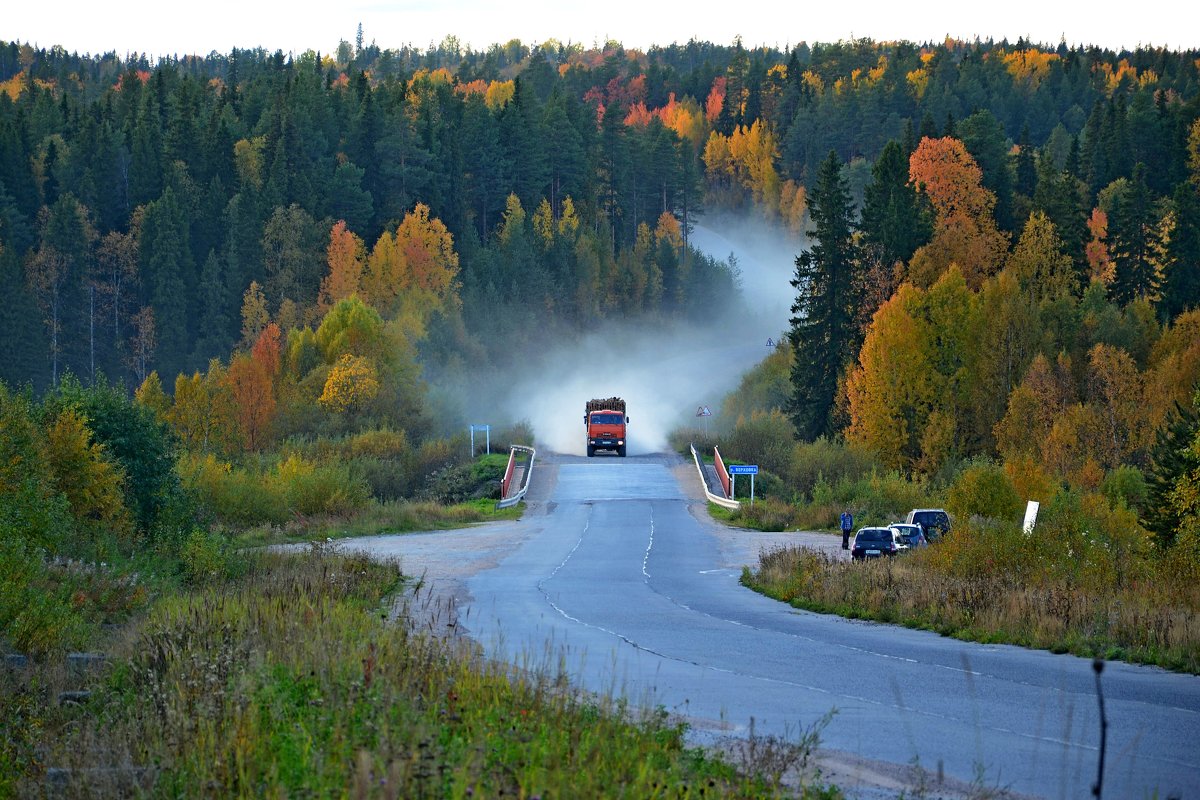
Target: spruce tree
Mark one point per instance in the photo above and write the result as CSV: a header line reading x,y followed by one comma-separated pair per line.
x,y
823,334
1131,237
1181,283
894,220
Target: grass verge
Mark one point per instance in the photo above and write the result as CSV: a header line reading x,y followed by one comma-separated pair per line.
x,y
1129,624
395,516
311,674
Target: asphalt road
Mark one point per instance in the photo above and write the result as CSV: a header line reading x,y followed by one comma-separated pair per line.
x,y
617,577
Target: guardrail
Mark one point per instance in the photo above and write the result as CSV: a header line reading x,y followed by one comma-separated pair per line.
x,y
722,473
507,500
724,502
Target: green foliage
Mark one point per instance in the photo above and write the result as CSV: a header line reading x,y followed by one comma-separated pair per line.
x,y
136,440
984,490
822,330
206,557
765,438
36,615
351,328
1126,486
829,461
332,695
30,503
247,496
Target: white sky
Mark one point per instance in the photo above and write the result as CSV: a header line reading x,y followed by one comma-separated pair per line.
x,y
170,27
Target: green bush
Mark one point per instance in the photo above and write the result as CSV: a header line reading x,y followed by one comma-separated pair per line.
x,y
310,488
767,514
879,498
133,437
765,438
206,556
35,616
30,505
983,490
232,495
387,479
826,459
1126,485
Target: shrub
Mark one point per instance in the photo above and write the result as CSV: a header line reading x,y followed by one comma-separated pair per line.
x,y
765,438
310,488
377,443
206,556
1126,486
767,514
826,459
984,490
31,508
34,617
233,496
386,479
132,436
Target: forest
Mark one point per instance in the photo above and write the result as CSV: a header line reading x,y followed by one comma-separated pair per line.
x,y
242,292
284,261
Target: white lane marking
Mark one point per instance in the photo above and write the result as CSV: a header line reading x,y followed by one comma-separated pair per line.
x,y
792,683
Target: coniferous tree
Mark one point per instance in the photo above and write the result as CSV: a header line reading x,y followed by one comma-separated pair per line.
x,y
1172,458
165,255
1131,239
985,141
215,334
895,221
1181,283
822,333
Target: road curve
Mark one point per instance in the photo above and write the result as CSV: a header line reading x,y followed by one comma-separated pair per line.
x,y
627,586
617,577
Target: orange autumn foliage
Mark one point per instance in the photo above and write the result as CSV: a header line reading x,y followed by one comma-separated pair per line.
x,y
253,396
346,257
965,231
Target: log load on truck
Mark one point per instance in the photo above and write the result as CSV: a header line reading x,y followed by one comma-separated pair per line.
x,y
605,421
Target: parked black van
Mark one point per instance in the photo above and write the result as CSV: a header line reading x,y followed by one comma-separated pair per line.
x,y
935,522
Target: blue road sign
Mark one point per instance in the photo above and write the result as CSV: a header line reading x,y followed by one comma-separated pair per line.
x,y
743,469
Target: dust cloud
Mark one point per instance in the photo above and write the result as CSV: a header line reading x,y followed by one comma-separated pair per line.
x,y
665,372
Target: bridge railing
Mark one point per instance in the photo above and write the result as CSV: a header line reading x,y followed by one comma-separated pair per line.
x,y
724,502
518,456
722,473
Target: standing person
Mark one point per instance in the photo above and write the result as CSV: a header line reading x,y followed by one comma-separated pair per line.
x,y
847,523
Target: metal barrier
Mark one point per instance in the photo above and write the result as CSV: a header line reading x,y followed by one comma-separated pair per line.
x,y
507,500
722,473
724,502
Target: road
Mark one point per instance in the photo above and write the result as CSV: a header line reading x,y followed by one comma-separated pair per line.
x,y
617,576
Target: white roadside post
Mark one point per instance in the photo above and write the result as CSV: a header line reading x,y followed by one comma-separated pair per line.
x,y
487,430
1031,512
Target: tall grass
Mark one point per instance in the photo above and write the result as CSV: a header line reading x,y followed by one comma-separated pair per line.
x,y
1144,619
292,680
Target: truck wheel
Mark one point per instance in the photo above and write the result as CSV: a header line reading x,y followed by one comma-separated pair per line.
x,y
591,451
621,451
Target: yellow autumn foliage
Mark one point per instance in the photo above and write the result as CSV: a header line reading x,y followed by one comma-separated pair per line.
x,y
352,382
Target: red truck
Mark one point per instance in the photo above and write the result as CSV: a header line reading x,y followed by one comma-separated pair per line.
x,y
605,422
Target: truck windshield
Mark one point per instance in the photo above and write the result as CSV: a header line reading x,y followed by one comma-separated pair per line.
x,y
607,419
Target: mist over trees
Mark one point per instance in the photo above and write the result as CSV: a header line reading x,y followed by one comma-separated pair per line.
x,y
272,225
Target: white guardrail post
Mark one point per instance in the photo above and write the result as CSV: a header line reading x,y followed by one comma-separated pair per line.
x,y
724,502
508,500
